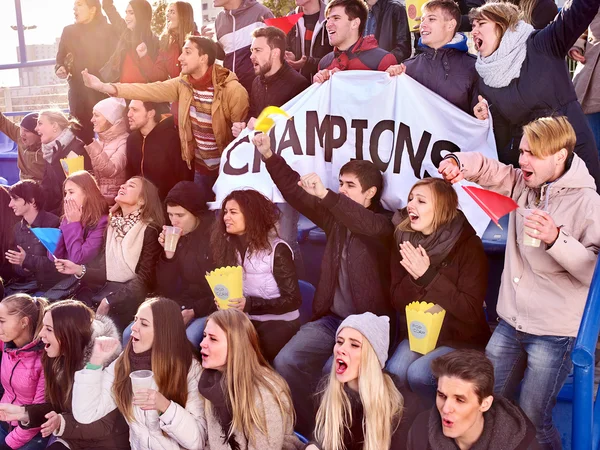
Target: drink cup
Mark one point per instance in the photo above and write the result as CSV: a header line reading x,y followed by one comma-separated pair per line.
x,y
141,379
528,240
172,235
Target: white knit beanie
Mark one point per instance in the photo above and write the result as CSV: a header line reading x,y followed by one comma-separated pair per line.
x,y
111,108
375,328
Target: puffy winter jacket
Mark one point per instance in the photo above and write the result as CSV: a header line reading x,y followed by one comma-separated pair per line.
x,y
177,428
391,28
22,378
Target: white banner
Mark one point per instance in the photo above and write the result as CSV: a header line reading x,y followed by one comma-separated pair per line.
x,y
395,122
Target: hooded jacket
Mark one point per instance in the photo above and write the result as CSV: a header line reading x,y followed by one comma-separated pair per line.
x,y
230,104
319,45
234,34
458,285
364,55
108,432
179,427
109,159
448,71
22,378
29,159
544,289
157,157
506,427
391,28
544,88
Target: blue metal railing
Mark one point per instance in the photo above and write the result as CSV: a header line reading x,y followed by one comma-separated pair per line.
x,y
586,414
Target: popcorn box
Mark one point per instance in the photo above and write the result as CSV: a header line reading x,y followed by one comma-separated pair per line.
x,y
72,165
226,284
413,10
424,327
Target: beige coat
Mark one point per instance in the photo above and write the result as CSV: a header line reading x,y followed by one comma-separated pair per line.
x,y
279,437
109,159
30,162
587,76
544,291
230,104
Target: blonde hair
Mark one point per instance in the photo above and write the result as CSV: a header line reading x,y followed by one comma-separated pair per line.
x,y
246,373
548,135
445,203
381,400
60,118
24,305
505,15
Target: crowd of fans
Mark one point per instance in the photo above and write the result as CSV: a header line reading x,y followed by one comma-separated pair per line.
x,y
149,119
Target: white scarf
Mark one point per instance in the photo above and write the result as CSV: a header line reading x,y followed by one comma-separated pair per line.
x,y
122,255
63,139
504,65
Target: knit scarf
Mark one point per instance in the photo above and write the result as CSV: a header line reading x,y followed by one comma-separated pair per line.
x,y
504,65
212,389
63,139
438,244
140,361
122,224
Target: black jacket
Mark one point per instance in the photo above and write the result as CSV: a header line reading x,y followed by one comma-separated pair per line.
x,y
320,45
506,427
369,244
181,278
54,175
82,42
36,266
275,90
448,71
544,88
157,157
391,30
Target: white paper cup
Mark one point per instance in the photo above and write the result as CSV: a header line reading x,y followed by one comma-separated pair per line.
x,y
528,240
172,235
141,379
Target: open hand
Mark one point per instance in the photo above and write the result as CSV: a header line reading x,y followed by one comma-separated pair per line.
x,y
52,424
10,413
207,32
72,211
16,257
414,260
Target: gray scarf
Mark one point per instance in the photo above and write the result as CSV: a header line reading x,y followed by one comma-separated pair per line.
x,y
504,65
63,139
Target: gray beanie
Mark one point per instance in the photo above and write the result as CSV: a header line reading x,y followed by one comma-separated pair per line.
x,y
375,328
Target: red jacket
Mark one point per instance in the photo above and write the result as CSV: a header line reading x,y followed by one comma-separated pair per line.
x,y
166,65
22,378
364,55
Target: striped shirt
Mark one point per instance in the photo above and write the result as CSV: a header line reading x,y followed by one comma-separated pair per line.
x,y
207,153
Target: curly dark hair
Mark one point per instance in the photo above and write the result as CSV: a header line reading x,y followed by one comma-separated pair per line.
x,y
260,215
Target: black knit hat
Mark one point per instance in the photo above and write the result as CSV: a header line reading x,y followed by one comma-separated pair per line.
x,y
29,122
188,195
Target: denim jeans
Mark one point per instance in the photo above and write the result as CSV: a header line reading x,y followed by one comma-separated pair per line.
x,y
36,443
288,231
414,370
301,363
542,363
594,121
194,332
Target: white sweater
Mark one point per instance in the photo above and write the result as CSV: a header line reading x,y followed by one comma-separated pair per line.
x,y
185,427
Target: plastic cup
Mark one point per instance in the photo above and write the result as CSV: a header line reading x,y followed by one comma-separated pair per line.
x,y
172,235
528,240
141,379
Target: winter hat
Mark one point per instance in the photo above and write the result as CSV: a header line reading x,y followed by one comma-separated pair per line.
x,y
111,108
188,195
30,121
375,328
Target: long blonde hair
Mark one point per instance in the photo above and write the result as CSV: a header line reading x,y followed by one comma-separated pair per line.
x,y
382,405
246,373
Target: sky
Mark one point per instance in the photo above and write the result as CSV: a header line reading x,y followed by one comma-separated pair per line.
x,y
50,17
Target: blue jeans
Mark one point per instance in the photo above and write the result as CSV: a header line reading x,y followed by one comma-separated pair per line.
x,y
594,121
301,363
194,332
542,363
36,443
414,370
288,231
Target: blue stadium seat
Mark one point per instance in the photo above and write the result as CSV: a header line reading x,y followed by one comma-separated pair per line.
x,y
494,238
307,291
304,228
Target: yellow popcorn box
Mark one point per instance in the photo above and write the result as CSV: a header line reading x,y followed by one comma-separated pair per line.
x,y
226,284
413,10
424,327
72,165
